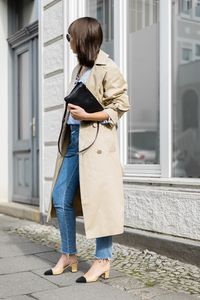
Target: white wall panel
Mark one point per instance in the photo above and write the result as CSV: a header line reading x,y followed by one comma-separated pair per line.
x,y
47,191
50,154
53,57
53,21
52,124
53,90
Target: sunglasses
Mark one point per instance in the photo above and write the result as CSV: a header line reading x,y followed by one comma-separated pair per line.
x,y
68,37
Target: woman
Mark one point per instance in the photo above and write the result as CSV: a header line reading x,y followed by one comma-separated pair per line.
x,y
90,183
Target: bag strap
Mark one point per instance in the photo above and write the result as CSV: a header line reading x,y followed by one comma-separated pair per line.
x,y
81,151
63,120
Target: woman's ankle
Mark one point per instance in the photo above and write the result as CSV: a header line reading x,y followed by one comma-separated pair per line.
x,y
69,257
103,261
73,257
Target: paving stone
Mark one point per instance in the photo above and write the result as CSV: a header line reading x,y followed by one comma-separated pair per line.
x,y
10,238
21,297
22,283
125,283
148,293
3,234
22,263
93,291
52,256
175,296
8,222
22,249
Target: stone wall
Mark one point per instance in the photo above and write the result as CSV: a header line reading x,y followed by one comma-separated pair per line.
x,y
53,87
164,209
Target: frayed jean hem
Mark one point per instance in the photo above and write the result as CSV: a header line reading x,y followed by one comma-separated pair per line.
x,y
67,252
103,258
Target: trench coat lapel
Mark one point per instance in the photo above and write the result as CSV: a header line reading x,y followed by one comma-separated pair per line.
x,y
94,76
97,74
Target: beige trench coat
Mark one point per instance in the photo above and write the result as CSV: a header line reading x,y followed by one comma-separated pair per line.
x,y
100,197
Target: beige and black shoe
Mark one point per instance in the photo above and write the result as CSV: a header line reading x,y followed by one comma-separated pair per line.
x,y
96,272
74,268
83,279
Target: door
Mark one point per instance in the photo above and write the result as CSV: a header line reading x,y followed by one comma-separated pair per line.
x,y
25,120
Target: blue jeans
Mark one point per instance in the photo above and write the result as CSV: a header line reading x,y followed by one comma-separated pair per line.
x,y
63,195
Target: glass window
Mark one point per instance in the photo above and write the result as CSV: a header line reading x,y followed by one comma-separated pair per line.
x,y
23,96
21,13
197,8
143,82
197,50
186,99
186,54
103,11
185,6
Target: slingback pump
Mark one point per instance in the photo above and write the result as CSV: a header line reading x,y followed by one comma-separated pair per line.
x,y
74,269
83,279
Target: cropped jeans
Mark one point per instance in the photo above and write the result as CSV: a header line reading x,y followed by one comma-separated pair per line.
x,y
63,196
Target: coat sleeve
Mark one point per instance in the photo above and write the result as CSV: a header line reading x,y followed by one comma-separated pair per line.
x,y
115,94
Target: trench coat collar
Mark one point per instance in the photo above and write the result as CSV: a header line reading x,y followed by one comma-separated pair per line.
x,y
102,58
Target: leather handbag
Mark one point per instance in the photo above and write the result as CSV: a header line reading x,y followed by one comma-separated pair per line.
x,y
81,96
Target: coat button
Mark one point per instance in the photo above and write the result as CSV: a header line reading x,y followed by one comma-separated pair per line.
x,y
99,151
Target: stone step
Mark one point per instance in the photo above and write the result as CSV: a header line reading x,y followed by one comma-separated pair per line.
x,y
20,210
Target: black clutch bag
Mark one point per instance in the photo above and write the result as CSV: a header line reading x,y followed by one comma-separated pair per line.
x,y
81,96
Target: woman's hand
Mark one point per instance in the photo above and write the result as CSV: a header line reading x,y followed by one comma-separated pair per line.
x,y
77,112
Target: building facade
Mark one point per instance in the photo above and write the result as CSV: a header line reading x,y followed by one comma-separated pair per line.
x,y
156,44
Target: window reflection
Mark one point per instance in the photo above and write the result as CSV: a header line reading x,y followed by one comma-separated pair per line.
x,y
186,96
103,11
143,82
190,8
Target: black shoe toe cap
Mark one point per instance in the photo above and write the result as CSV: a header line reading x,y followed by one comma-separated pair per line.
x,y
81,279
48,272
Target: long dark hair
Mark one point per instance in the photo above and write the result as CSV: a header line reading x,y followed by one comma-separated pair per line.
x,y
88,36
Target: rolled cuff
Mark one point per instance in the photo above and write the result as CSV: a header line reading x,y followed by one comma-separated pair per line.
x,y
113,116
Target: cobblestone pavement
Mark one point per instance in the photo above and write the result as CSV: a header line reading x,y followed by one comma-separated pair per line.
x,y
147,268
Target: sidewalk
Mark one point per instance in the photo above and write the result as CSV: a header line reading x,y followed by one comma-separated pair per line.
x,y
23,262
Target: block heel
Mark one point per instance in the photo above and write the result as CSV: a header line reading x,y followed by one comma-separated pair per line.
x,y
74,268
106,275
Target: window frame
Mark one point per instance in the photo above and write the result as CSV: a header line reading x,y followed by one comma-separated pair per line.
x,y
191,15
164,168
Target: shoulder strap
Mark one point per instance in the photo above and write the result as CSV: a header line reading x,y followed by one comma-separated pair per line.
x,y
81,151
63,121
